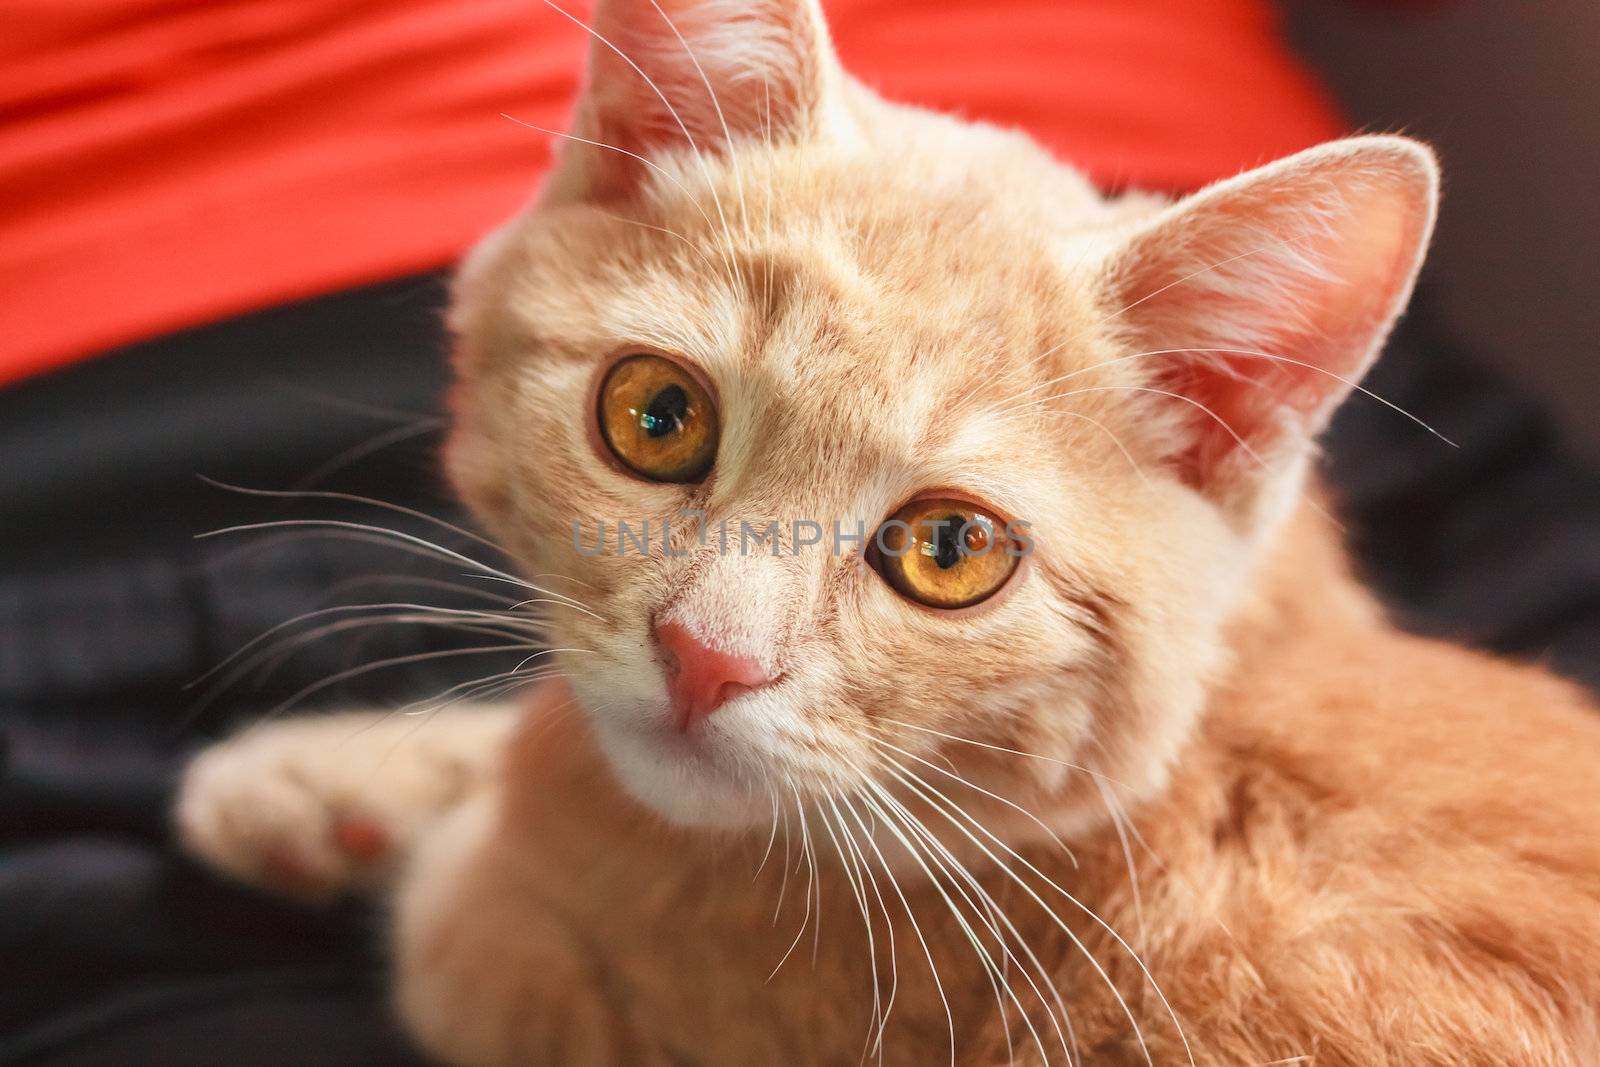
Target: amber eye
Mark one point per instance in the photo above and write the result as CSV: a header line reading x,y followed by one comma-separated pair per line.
x,y
658,419
945,553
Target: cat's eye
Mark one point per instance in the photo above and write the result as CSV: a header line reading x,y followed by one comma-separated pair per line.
x,y
657,419
945,552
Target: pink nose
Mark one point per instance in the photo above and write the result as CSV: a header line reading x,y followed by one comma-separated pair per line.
x,y
701,679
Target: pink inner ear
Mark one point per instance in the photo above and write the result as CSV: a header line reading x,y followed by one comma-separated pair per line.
x,y
1306,265
672,75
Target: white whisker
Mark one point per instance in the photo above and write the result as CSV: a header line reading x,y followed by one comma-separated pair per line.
x,y
984,910
1070,898
352,498
888,925
1348,383
772,837
722,119
438,550
371,445
662,229
849,866
1013,805
1001,748
392,661
393,578
694,147
409,612
1187,278
808,854
1109,432
662,171
916,928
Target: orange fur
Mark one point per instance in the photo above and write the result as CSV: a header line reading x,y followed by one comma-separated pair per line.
x,y
1375,851
1294,831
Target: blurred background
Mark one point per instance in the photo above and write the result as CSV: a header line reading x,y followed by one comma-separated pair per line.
x,y
226,228
1510,94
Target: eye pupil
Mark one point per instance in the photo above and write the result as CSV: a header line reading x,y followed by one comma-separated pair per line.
x,y
946,545
944,553
665,412
657,419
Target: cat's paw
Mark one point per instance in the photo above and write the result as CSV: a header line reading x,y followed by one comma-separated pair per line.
x,y
321,806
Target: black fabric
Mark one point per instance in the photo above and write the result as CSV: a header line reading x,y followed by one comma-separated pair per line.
x,y
119,951
1493,540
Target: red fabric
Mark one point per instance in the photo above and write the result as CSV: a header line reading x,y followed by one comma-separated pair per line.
x,y
164,163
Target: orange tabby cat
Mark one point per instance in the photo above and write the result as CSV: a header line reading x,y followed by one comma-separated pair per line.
x,y
1040,722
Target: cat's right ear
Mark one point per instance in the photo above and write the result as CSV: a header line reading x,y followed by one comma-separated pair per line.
x,y
691,76
1257,304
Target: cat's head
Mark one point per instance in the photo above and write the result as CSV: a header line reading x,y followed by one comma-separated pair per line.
x,y
755,291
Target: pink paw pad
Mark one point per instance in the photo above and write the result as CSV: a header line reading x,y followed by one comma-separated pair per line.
x,y
360,839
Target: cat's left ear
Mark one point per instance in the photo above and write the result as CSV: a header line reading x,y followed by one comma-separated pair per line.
x,y
1264,299
685,76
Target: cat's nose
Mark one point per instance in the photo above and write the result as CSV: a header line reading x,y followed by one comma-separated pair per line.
x,y
701,679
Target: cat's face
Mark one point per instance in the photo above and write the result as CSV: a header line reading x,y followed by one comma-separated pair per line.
x,y
830,313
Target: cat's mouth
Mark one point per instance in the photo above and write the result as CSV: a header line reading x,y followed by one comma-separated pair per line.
x,y
700,776
693,747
